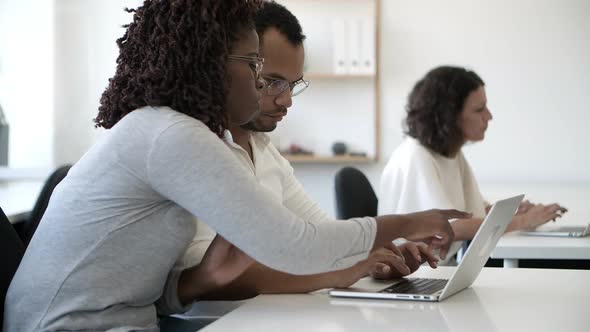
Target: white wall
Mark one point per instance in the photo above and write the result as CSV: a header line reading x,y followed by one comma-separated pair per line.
x,y
86,52
26,80
55,60
533,55
535,58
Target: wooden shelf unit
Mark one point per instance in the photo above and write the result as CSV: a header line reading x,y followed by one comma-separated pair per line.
x,y
330,76
318,74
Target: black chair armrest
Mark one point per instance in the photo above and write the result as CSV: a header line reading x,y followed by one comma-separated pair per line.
x,y
18,223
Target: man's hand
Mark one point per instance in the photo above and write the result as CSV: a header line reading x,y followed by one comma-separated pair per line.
x,y
389,257
414,255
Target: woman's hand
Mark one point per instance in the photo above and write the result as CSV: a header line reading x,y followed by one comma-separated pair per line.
x,y
432,227
524,207
535,215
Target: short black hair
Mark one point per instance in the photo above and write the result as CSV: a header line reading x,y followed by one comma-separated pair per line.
x,y
434,105
274,15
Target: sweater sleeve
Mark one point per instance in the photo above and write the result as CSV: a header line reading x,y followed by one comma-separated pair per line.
x,y
169,303
190,166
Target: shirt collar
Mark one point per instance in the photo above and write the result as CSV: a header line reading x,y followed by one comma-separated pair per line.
x,y
259,139
227,136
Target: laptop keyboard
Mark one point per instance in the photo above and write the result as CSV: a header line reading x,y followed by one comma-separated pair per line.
x,y
416,286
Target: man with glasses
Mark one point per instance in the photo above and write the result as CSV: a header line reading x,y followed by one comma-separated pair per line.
x,y
281,46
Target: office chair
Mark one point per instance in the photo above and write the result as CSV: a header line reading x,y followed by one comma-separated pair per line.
x,y
11,253
184,324
30,224
354,195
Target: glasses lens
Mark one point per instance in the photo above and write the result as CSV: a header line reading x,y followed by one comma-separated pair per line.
x,y
277,87
299,88
258,69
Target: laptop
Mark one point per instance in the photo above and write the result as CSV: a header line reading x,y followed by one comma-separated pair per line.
x,y
435,290
564,231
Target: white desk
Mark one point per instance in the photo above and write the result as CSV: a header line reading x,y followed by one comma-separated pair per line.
x,y
513,247
18,197
499,300
574,196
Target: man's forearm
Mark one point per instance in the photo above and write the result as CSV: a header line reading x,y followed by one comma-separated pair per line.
x,y
194,286
259,279
269,281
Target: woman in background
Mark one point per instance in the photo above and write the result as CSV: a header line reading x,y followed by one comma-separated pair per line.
x,y
446,110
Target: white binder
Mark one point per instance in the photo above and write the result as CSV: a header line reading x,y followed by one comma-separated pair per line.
x,y
339,47
354,46
367,28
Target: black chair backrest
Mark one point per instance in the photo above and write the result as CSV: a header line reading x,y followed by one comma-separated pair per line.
x,y
11,252
30,225
354,195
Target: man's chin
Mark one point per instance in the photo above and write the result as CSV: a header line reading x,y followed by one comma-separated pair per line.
x,y
260,127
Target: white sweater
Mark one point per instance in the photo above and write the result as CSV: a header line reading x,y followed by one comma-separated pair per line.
x,y
103,255
417,179
271,171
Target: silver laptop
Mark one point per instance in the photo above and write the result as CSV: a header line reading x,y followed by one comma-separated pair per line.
x,y
564,231
434,290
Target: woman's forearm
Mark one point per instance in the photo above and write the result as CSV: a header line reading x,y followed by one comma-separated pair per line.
x,y
465,229
388,225
431,226
516,224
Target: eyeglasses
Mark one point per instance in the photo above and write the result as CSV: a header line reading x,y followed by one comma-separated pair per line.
x,y
256,63
278,86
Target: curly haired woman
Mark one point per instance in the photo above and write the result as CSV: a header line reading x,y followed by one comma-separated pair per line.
x,y
103,255
446,110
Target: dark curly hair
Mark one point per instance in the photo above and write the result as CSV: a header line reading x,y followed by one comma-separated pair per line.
x,y
434,106
173,54
274,15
